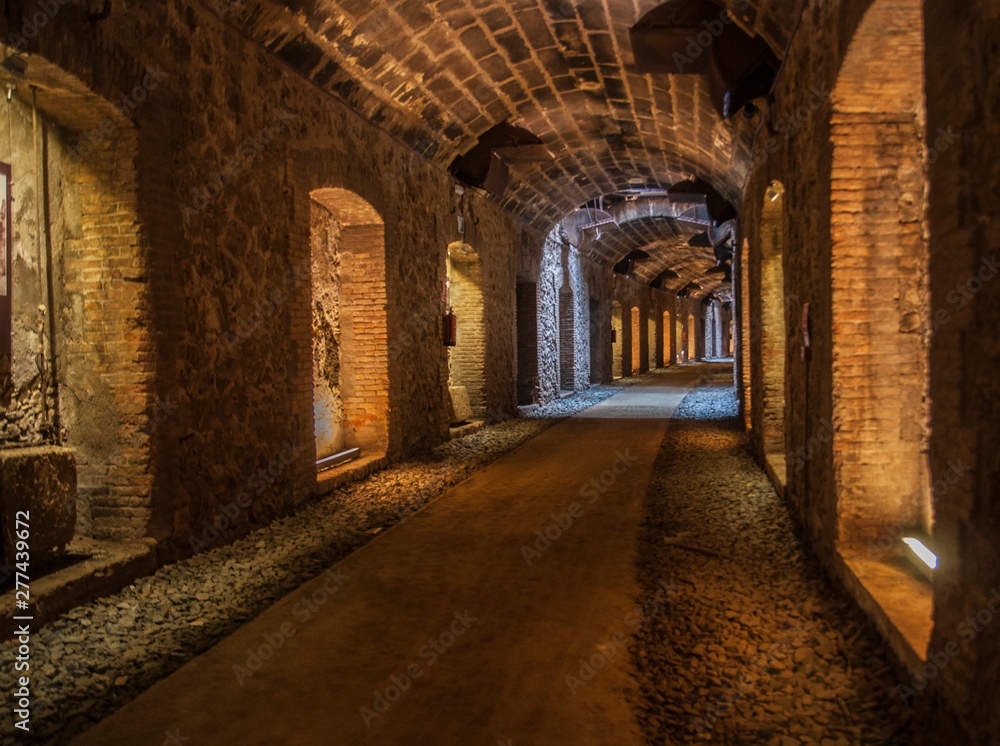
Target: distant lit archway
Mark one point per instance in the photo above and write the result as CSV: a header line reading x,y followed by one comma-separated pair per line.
x,y
617,345
668,345
636,341
349,338
467,358
652,339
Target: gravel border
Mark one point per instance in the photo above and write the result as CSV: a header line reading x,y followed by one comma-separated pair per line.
x,y
754,645
100,656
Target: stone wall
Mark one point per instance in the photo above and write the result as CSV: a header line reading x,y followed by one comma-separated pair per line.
x,y
799,149
963,123
207,300
601,300
28,402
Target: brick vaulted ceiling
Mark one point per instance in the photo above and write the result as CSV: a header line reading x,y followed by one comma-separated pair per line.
x,y
439,73
667,243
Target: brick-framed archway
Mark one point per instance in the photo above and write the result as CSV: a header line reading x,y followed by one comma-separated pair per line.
x,y
467,359
652,339
692,338
363,335
635,337
617,344
76,163
879,273
364,370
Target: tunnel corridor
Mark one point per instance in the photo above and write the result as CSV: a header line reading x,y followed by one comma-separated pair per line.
x,y
322,323
587,608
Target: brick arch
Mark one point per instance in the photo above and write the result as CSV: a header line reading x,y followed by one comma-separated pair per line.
x,y
99,345
668,245
635,339
467,359
439,76
692,338
348,314
879,273
597,327
526,300
667,339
